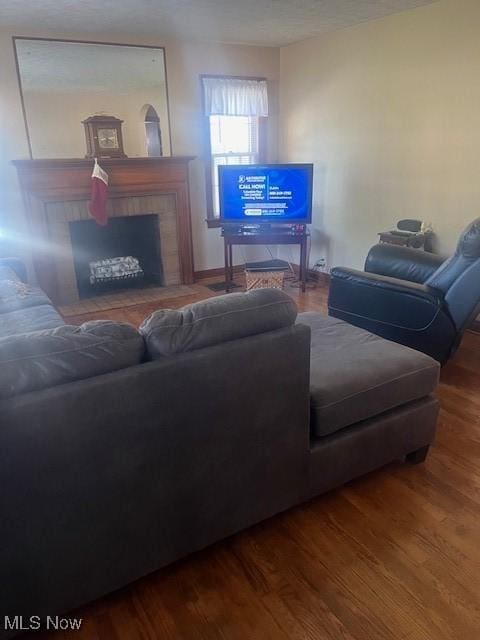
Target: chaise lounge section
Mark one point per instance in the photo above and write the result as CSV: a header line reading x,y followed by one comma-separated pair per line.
x,y
371,402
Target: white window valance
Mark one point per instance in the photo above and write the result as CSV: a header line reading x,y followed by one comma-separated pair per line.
x,y
235,97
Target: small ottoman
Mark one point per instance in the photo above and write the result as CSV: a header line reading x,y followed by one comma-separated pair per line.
x,y
370,401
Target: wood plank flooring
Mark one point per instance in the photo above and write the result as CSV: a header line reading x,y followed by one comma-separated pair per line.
x,y
394,555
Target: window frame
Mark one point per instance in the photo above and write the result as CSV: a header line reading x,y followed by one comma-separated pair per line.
x,y
212,220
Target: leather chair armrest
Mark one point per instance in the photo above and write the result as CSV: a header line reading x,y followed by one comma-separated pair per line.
x,y
398,285
402,262
383,299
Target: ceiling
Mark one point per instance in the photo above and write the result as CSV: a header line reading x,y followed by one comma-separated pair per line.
x,y
78,67
263,22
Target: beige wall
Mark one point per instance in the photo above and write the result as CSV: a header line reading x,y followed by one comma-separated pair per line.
x,y
185,62
389,112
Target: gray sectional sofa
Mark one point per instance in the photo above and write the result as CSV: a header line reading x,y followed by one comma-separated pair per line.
x,y
123,450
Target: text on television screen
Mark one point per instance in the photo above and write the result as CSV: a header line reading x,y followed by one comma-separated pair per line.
x,y
269,192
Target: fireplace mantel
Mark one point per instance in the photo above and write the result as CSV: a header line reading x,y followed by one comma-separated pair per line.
x,y
47,181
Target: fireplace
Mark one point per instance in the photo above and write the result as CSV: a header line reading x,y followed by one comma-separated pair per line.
x,y
56,194
125,253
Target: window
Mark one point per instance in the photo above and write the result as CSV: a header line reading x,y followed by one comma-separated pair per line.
x,y
235,110
233,140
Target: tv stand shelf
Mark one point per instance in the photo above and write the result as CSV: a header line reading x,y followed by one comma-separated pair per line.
x,y
265,237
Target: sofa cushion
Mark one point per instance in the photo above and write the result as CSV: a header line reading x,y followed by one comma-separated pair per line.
x,y
209,322
15,294
7,273
30,319
33,361
355,374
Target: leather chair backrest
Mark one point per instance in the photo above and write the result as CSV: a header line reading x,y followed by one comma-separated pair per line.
x,y
459,277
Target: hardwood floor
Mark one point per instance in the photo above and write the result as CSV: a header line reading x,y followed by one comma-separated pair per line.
x,y
314,299
392,555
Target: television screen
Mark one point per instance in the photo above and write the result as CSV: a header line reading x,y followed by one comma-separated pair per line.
x,y
253,194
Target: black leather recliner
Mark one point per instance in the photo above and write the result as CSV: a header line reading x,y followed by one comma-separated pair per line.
x,y
413,297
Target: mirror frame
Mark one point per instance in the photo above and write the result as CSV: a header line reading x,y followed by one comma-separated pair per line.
x,y
112,44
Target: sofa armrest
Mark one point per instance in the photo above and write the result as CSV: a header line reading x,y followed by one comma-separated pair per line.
x,y
16,265
382,299
402,262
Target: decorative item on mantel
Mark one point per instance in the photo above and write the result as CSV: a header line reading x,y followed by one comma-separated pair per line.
x,y
104,137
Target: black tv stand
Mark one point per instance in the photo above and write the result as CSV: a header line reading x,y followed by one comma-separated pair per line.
x,y
264,234
263,229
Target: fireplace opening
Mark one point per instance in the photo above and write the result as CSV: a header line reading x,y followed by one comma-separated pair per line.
x,y
123,254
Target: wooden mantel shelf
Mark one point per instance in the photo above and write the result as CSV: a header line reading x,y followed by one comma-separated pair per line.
x,y
72,175
86,162
45,181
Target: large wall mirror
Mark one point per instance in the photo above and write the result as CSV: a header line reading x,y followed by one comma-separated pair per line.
x,y
63,83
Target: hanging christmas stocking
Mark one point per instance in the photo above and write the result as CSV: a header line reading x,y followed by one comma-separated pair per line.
x,y
98,203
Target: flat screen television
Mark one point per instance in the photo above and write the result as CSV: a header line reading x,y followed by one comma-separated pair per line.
x,y
273,193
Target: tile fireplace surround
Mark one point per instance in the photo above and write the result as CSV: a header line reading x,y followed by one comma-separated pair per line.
x,y
56,192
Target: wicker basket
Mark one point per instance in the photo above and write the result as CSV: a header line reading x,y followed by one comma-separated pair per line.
x,y
263,279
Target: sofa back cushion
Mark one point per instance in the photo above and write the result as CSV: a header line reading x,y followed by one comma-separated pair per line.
x,y
216,320
33,361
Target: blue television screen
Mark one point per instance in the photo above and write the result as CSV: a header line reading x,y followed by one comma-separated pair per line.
x,y
253,194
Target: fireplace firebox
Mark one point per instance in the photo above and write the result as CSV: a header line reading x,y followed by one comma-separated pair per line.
x,y
125,253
